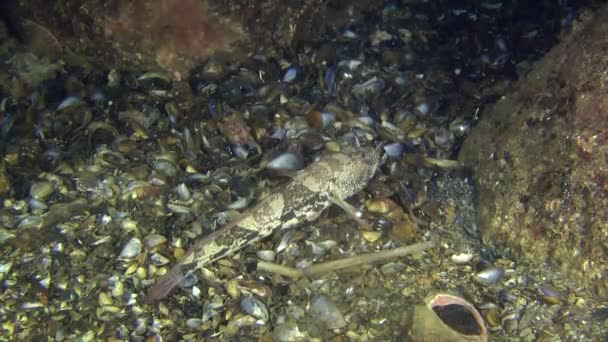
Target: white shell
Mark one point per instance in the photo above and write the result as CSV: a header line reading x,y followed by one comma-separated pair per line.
x,y
462,258
266,255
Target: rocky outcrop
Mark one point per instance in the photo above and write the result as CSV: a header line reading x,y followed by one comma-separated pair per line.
x,y
540,158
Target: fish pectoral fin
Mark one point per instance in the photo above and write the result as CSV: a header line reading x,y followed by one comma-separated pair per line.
x,y
350,210
166,284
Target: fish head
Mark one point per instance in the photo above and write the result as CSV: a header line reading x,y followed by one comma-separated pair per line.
x,y
358,165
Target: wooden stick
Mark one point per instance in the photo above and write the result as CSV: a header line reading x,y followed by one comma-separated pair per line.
x,y
339,264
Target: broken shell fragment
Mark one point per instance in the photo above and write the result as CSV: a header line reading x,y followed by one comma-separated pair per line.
x,y
131,249
41,190
462,258
446,318
255,308
154,240
159,259
394,150
371,236
286,161
378,206
266,255
404,230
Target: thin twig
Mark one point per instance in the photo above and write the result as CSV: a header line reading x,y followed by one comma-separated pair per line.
x,y
339,264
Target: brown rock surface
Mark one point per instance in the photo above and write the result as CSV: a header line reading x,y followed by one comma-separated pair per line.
x,y
540,158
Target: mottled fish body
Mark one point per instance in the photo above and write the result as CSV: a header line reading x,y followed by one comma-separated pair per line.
x,y
333,178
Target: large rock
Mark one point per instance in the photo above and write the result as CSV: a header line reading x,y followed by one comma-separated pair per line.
x,y
540,158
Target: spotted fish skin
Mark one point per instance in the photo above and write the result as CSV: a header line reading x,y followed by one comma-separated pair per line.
x,y
333,176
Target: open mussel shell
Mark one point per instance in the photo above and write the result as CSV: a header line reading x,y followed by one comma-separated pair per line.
x,y
446,318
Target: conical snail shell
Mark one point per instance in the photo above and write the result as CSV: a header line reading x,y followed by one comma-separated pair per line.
x,y
427,326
